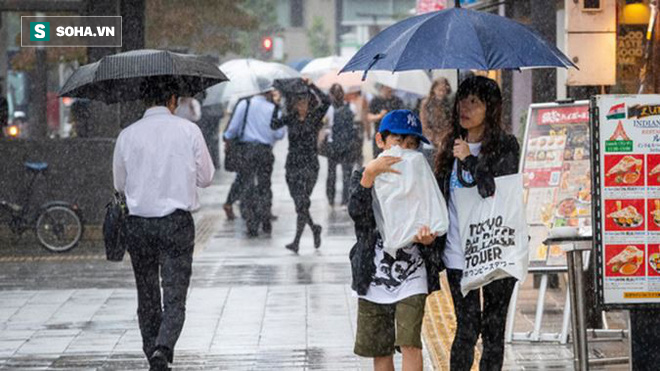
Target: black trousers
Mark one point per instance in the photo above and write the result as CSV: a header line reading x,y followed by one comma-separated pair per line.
x,y
236,189
330,184
301,179
257,196
471,321
161,249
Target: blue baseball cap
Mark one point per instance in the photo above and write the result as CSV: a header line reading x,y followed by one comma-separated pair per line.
x,y
402,122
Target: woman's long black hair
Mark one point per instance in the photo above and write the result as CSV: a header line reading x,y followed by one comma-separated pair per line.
x,y
337,95
487,90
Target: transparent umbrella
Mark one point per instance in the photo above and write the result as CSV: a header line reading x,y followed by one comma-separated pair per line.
x,y
248,77
417,82
350,81
321,66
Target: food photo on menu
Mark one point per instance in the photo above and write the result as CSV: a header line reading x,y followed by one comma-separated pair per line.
x,y
624,215
653,207
654,260
624,170
624,260
545,151
574,205
653,179
572,212
577,148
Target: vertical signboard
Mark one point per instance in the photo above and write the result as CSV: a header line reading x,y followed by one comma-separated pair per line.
x,y
555,163
626,176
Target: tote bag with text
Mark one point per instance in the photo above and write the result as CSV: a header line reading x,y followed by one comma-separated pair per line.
x,y
493,233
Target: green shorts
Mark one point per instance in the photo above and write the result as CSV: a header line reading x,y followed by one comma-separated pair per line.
x,y
382,327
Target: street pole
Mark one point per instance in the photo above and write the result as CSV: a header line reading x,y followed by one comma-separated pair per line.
x,y
38,116
101,120
133,18
457,4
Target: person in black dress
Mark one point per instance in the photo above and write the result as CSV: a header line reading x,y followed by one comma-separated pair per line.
x,y
305,107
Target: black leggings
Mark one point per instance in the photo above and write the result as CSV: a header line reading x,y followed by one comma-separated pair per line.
x,y
471,321
301,182
331,182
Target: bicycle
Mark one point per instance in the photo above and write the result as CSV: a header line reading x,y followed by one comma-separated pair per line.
x,y
57,224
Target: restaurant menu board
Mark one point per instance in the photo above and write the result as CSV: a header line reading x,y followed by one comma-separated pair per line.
x,y
627,198
556,169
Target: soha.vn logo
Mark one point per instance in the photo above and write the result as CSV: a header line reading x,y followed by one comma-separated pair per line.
x,y
39,31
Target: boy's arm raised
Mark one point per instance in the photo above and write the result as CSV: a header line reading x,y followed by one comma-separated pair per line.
x,y
377,166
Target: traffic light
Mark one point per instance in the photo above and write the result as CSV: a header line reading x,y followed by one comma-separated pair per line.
x,y
266,47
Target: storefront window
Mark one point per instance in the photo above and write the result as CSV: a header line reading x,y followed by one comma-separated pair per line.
x,y
24,66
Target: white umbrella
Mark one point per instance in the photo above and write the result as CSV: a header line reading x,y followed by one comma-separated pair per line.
x,y
246,77
350,81
321,66
416,81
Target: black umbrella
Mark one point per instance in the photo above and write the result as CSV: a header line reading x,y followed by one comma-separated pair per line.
x,y
291,86
122,77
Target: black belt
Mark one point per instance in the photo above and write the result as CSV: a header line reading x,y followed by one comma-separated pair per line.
x,y
175,213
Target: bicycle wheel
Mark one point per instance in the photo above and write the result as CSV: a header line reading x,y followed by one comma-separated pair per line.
x,y
59,228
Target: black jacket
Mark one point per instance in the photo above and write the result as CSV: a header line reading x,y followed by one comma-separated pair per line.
x,y
486,167
363,252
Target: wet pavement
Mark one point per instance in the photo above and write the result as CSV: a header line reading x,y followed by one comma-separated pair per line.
x,y
252,304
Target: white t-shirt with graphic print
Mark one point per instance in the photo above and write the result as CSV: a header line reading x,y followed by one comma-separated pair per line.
x,y
396,278
453,255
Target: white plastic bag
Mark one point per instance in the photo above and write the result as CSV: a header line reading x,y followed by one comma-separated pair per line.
x,y
493,233
405,202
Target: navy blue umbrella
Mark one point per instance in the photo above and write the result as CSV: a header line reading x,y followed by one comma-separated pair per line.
x,y
457,38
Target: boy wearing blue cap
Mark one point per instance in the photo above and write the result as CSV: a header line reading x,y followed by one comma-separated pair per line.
x,y
391,290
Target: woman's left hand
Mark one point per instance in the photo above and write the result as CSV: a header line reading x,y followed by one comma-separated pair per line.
x,y
424,236
461,149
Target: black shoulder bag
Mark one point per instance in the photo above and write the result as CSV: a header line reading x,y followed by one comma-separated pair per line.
x,y
113,227
234,148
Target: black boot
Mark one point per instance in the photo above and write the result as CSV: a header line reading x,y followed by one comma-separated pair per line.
x,y
300,227
293,246
316,230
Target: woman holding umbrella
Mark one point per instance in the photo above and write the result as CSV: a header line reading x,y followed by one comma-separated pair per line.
x,y
305,107
475,151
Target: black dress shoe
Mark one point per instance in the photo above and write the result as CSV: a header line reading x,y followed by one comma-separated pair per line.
x,y
158,361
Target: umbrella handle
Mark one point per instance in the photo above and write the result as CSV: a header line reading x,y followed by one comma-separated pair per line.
x,y
376,58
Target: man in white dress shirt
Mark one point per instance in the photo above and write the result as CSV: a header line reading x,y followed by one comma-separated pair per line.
x,y
159,161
